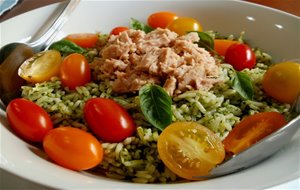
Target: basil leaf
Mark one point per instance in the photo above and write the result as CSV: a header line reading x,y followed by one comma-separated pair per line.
x,y
137,25
156,105
67,47
206,41
241,82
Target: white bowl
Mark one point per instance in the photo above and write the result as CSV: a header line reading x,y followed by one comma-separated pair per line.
x,y
273,31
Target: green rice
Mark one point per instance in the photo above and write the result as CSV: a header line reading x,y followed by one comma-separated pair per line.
x,y
136,158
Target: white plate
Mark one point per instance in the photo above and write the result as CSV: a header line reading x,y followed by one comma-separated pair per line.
x,y
274,31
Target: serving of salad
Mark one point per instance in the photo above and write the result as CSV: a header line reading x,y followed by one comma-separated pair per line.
x,y
151,103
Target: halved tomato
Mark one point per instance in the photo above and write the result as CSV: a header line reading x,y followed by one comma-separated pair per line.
x,y
189,149
41,67
252,129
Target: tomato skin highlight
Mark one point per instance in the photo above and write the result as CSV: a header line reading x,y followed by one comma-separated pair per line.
x,y
161,19
28,120
252,129
240,56
282,81
189,149
108,120
182,25
73,148
221,45
75,71
85,40
118,30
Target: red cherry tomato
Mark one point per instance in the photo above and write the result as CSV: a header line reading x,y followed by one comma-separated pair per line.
x,y
75,71
73,148
28,120
118,30
240,56
85,40
161,19
252,129
108,120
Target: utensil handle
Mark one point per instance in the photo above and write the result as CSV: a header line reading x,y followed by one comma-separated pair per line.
x,y
48,37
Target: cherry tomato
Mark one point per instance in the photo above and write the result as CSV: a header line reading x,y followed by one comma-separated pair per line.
x,y
41,67
221,45
240,56
282,81
118,30
28,120
189,149
183,25
108,120
75,71
161,19
73,148
85,40
252,129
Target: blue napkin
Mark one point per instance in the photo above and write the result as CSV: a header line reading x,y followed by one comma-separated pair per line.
x,y
6,5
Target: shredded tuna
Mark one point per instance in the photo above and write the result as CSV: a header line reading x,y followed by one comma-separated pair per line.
x,y
132,59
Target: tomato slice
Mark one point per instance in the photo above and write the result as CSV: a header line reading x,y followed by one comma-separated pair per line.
x,y
41,67
252,129
221,45
118,30
190,149
161,19
282,81
85,40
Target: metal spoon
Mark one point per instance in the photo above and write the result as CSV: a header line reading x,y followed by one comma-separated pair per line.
x,y
262,149
14,54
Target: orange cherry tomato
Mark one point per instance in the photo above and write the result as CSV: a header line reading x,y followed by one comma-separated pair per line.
x,y
161,19
282,81
118,30
221,45
252,129
85,40
75,71
183,25
28,120
189,149
73,148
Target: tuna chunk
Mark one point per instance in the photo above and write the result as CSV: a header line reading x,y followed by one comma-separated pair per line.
x,y
132,59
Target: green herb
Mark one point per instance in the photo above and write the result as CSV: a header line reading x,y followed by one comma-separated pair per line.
x,y
156,105
67,47
241,82
206,41
137,25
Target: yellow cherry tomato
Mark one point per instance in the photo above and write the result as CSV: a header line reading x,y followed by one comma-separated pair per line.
x,y
41,67
282,81
190,149
182,25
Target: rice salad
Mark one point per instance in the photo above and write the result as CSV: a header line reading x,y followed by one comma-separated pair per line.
x,y
136,158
